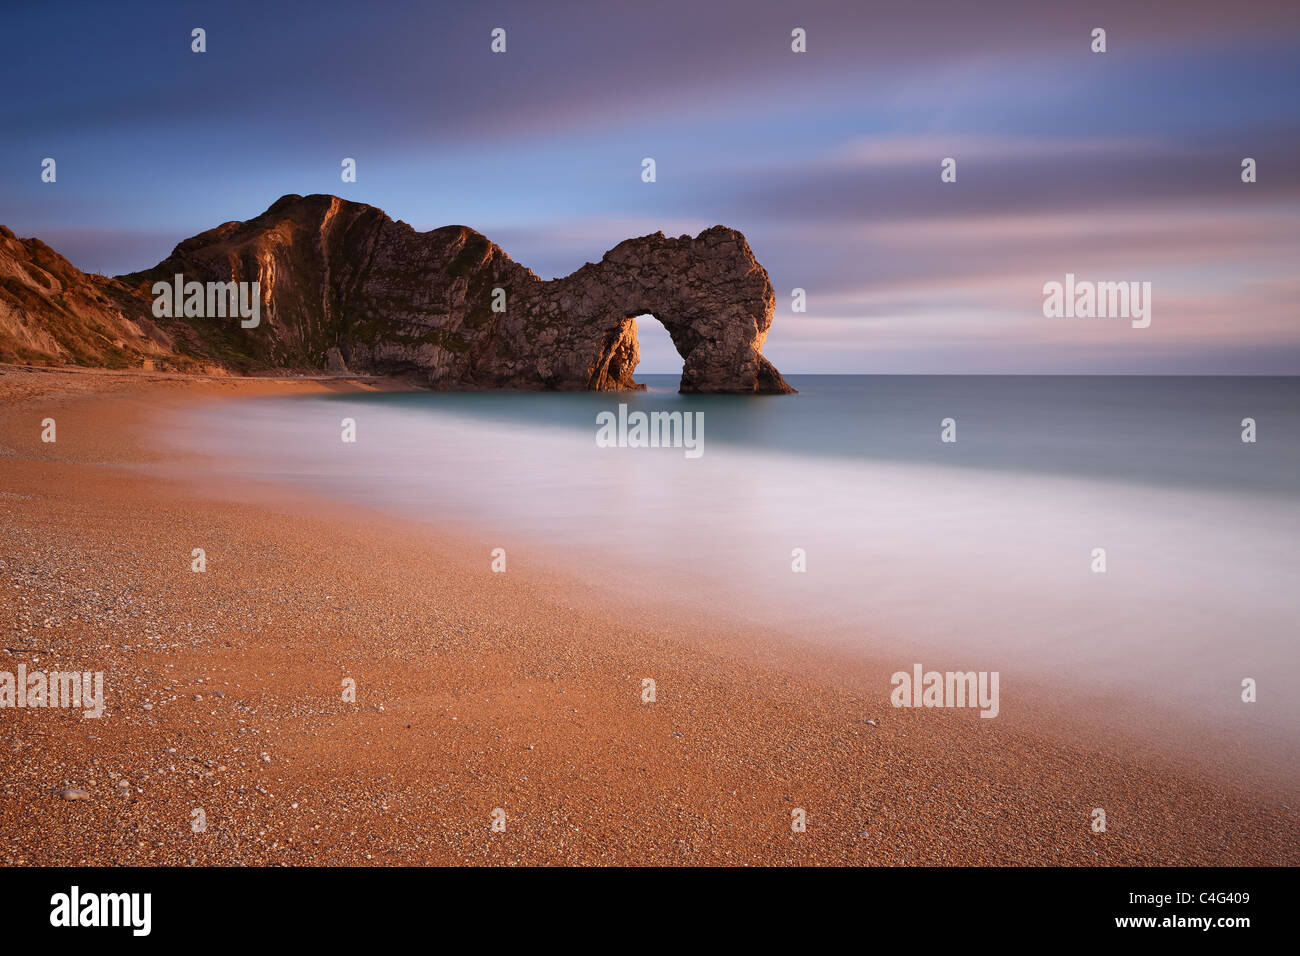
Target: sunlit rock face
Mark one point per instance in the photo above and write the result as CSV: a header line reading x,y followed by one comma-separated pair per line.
x,y
344,288
53,313
337,274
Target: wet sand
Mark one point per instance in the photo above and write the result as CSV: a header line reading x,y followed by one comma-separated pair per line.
x,y
476,691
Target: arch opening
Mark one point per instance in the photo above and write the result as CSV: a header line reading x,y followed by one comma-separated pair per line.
x,y
659,357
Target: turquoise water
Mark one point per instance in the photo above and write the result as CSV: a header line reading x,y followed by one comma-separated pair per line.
x,y
1174,431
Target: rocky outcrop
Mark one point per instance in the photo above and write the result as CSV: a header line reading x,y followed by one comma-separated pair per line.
x,y
344,286
52,313
710,294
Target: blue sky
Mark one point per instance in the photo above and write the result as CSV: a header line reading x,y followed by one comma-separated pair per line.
x,y
1116,166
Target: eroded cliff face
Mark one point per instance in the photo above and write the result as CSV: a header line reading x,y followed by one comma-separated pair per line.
x,y
342,284
52,313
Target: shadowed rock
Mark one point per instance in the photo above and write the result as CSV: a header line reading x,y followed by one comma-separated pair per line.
x,y
710,294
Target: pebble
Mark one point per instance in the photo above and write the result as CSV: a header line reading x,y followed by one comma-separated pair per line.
x,y
73,794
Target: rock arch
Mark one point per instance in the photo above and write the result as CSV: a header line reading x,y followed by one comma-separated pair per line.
x,y
709,292
338,275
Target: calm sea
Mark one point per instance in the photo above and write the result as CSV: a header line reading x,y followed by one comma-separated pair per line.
x,y
979,553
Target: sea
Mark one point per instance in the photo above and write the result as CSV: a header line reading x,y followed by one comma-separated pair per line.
x,y
1112,534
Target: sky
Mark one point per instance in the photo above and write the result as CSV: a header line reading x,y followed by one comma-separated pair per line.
x,y
1115,166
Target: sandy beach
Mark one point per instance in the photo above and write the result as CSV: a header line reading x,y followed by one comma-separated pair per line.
x,y
478,692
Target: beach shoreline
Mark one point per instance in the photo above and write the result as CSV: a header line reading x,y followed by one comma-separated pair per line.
x,y
478,691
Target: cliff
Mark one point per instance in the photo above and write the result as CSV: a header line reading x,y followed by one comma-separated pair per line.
x,y
344,286
52,313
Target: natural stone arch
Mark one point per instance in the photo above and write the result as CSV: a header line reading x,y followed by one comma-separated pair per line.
x,y
711,295
338,275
